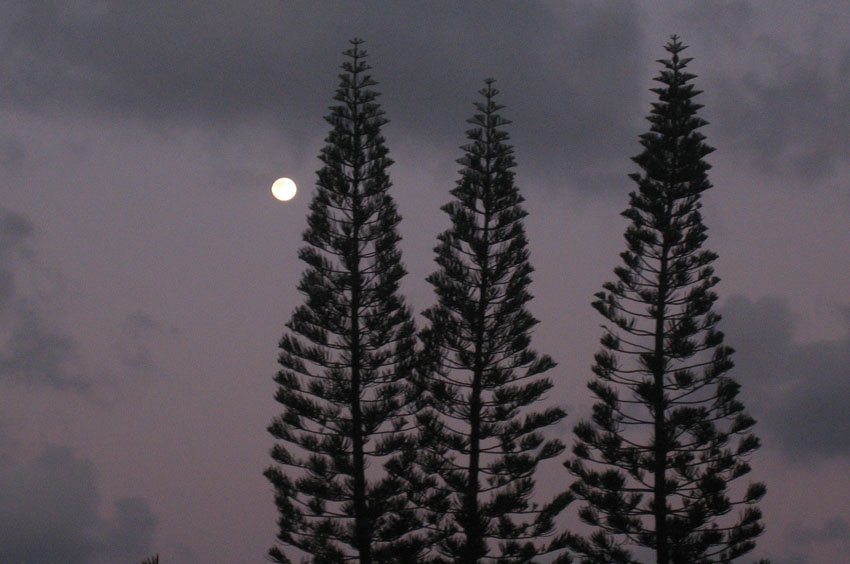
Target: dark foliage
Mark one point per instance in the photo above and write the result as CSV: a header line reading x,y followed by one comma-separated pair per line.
x,y
667,437
347,357
480,443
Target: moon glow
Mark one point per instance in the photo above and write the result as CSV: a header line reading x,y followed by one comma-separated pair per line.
x,y
284,189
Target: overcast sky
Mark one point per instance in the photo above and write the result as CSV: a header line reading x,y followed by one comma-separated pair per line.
x,y
146,273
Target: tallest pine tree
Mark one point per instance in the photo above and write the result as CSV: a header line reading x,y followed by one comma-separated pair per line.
x,y
347,356
668,436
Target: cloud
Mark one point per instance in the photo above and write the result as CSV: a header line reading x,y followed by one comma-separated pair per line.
x,y
12,154
836,528
37,353
788,107
803,537
813,417
570,72
33,349
137,334
730,21
49,513
797,391
15,232
129,538
796,122
845,314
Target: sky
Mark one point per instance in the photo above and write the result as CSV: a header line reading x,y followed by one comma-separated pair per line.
x,y
146,273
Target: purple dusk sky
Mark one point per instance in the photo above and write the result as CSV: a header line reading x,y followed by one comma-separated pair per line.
x,y
146,272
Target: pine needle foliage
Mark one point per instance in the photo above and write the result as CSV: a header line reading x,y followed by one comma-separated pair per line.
x,y
667,436
480,375
348,353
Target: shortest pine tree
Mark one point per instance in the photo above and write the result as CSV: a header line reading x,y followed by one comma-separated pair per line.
x,y
668,435
480,440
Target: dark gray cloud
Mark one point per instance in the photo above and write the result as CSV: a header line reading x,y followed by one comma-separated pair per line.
x,y
726,21
160,60
783,97
845,314
12,154
33,350
835,528
128,538
136,336
15,232
37,353
48,509
570,72
49,513
814,417
795,122
802,537
797,391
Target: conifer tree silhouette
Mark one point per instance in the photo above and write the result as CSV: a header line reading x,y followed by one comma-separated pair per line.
x,y
667,437
478,436
348,353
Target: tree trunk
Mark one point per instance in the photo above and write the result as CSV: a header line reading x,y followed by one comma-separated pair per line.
x,y
660,489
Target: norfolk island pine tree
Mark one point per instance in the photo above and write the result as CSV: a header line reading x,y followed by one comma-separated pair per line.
x,y
348,354
480,376
667,435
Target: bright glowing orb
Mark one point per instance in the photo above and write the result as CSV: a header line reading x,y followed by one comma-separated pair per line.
x,y
284,189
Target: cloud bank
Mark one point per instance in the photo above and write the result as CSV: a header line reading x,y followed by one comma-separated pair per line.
x,y
49,513
797,391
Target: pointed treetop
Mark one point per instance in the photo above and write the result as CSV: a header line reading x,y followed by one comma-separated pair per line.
x,y
357,54
489,92
488,108
356,51
675,46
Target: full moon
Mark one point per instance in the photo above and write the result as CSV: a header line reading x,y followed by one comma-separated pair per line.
x,y
284,189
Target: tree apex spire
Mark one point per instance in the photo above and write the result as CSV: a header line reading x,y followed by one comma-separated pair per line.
x,y
675,44
356,52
